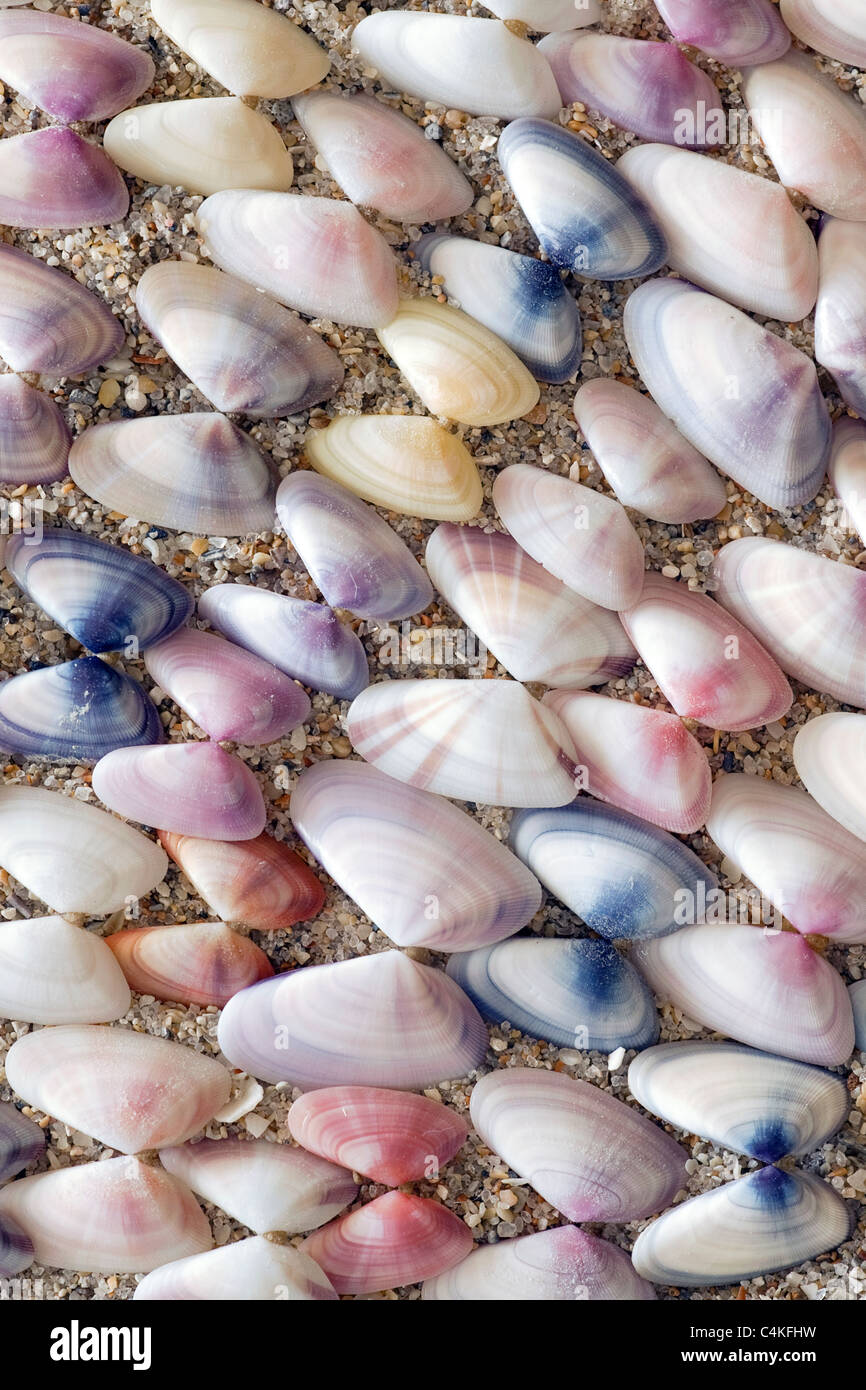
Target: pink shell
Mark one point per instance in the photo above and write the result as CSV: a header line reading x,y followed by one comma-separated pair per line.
x,y
190,788
391,1137
258,883
395,1240
198,962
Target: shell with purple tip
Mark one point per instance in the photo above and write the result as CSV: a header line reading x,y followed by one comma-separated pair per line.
x,y
22,1141
392,1137
53,178
764,988
254,1269
258,883
830,758
736,32
190,788
379,1020
840,314
765,424
559,1265
48,322
16,1248
477,740
421,869
53,972
72,70
588,1154
195,962
706,663
642,760
582,537
232,694
34,437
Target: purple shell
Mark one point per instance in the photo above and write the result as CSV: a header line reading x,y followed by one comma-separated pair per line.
x,y
74,71
189,788
21,1142
48,322
54,179
34,439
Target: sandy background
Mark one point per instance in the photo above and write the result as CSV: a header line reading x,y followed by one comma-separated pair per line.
x,y
110,262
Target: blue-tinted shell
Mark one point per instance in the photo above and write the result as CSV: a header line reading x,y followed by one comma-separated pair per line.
x,y
857,994
625,878
16,1248
21,1142
106,597
572,993
82,710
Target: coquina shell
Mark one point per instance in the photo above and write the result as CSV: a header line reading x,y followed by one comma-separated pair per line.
x,y
48,322
829,755
72,70
840,314
251,1270
737,32
53,178
191,788
53,972
562,1264
195,962
22,1141
34,437
258,883
834,27
251,50
548,16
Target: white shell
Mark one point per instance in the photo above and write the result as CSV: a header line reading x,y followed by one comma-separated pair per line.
x,y
640,759
382,159
129,1090
751,1102
768,1220
456,366
727,230
52,972
317,255
75,857
581,536
203,145
830,757
536,627
764,988
814,133
245,1270
548,16
265,1186
562,1264
840,314
806,610
475,65
251,50
834,27
478,740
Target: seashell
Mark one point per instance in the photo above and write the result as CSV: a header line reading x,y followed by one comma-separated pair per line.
x,y
107,598
73,856
645,459
808,866
836,28
707,665
404,463
381,159
478,740
318,255
586,217
649,88
840,319
847,470
354,557
422,870
16,1248
456,366
380,1020
230,693
736,32
589,1155
129,1090
252,51
190,472
765,1221
260,883
52,178
119,1216
747,1101
828,756
243,351
520,299
252,1269
766,427
578,535
806,610
199,962
537,628
203,145
22,1141
624,877
74,71
569,993
48,322
766,259
303,639
391,1137
857,995
548,16
395,1240
642,760
190,788
475,65
79,711
34,438
265,1186
814,133
53,972
764,988
558,1265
